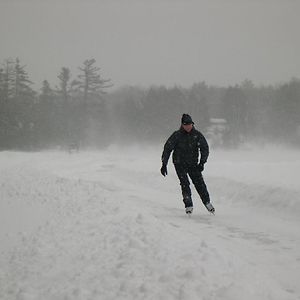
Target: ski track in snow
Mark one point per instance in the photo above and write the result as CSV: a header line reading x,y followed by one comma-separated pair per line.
x,y
105,225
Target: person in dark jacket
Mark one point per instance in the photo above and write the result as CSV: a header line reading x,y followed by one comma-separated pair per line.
x,y
186,144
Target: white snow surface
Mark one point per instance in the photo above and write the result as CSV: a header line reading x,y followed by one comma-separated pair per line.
x,y
107,225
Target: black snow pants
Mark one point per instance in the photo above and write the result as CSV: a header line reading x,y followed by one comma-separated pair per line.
x,y
196,176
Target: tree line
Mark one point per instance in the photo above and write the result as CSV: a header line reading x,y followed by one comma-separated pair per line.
x,y
250,114
51,117
80,110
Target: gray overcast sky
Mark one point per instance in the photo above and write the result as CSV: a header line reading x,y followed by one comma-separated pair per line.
x,y
155,42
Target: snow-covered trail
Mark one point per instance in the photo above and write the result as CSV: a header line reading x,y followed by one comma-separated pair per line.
x,y
106,225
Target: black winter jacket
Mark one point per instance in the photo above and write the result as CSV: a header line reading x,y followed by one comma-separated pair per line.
x,y
185,147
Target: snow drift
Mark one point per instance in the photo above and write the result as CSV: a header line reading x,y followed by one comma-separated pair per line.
x,y
107,225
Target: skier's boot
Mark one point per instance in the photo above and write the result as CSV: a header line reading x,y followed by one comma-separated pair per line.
x,y
210,208
189,210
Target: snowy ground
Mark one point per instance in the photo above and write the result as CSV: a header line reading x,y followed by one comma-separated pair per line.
x,y
107,225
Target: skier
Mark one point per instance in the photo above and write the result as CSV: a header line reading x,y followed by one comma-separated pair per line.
x,y
185,144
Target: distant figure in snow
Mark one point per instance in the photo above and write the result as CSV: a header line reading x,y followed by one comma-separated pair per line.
x,y
73,147
185,144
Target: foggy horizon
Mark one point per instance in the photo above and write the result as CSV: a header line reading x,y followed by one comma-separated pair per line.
x,y
246,53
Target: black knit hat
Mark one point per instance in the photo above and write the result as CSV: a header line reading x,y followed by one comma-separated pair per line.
x,y
186,119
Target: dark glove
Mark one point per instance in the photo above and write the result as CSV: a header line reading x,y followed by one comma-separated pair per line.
x,y
163,170
201,167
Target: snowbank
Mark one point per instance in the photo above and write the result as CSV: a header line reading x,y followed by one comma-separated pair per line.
x,y
106,225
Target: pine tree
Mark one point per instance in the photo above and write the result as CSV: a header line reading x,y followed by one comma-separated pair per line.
x,y
1,84
64,84
3,115
198,105
22,83
287,112
91,85
46,117
23,100
47,92
90,82
7,80
234,111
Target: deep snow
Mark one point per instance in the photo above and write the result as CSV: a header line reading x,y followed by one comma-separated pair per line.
x,y
107,225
